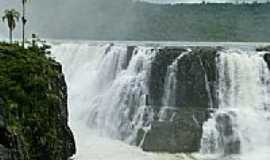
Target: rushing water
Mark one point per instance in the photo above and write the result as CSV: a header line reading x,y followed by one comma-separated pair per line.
x,y
107,87
88,73
242,122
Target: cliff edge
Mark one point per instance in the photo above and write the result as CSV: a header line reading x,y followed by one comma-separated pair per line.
x,y
33,106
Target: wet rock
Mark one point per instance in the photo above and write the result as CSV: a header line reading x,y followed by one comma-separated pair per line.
x,y
182,134
228,138
195,93
196,78
157,77
130,51
267,58
264,48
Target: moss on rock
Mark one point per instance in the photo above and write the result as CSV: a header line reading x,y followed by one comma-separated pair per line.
x,y
33,105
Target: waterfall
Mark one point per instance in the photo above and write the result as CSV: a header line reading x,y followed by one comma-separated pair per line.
x,y
241,124
109,91
119,108
112,87
168,110
80,65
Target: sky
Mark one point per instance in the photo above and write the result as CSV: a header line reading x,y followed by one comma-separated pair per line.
x,y
3,5
77,18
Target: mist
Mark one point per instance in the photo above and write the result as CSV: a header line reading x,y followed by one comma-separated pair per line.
x,y
134,20
83,19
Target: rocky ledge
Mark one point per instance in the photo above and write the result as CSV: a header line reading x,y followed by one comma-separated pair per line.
x,y
33,106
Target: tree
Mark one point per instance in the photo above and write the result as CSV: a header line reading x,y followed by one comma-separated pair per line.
x,y
11,15
23,21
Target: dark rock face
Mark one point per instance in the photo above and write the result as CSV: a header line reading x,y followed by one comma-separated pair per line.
x,y
267,59
162,60
196,76
4,140
33,106
64,130
130,50
182,134
264,48
228,139
266,56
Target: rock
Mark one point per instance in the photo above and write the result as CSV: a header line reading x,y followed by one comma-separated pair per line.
x,y
267,58
33,106
160,63
196,80
130,51
264,48
228,139
69,147
183,134
196,74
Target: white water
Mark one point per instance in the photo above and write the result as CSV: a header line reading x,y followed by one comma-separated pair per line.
x,y
168,111
244,98
99,84
103,89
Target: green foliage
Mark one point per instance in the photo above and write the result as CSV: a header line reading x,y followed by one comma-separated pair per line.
x,y
11,15
32,97
126,20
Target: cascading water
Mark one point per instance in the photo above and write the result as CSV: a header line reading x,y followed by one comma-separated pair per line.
x,y
107,93
241,124
119,106
108,101
167,112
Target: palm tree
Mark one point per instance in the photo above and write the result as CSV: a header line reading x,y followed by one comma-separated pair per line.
x,y
23,21
11,15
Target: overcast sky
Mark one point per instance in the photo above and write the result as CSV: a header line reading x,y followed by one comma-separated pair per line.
x,y
49,17
3,5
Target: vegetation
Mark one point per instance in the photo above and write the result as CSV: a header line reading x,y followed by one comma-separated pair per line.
x,y
142,21
33,100
23,21
12,16
198,22
32,92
